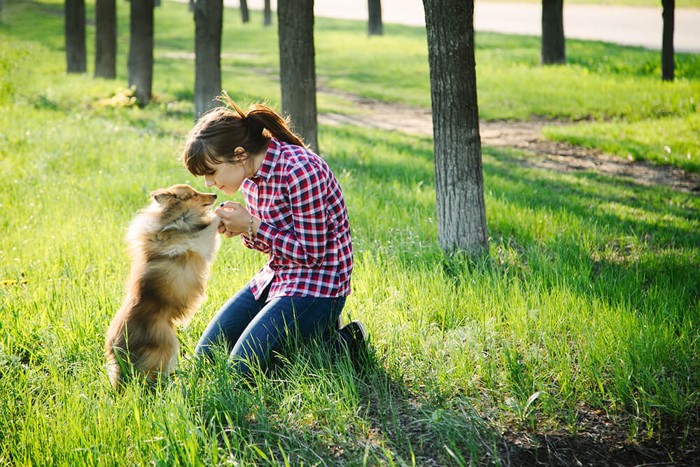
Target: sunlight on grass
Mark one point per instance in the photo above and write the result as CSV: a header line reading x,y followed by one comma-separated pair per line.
x,y
588,297
674,141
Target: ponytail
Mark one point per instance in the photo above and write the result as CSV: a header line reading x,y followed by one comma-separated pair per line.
x,y
262,119
218,132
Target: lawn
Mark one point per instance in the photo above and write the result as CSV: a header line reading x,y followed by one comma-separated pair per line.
x,y
581,324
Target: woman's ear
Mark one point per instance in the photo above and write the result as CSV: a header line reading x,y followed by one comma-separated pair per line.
x,y
239,151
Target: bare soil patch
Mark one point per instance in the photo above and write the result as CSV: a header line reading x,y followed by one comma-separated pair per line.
x,y
527,136
603,440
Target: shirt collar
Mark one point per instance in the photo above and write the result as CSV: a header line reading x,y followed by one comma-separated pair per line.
x,y
269,161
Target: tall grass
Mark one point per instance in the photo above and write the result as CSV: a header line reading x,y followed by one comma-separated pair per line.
x,y
588,298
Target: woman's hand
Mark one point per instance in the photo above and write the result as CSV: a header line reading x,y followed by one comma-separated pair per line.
x,y
235,219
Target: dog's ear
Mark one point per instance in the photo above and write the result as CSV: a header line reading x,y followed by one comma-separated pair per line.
x,y
162,196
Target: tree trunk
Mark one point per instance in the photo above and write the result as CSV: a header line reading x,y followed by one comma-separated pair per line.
x,y
141,50
298,67
459,182
75,36
553,41
267,14
374,25
668,60
208,18
105,39
245,13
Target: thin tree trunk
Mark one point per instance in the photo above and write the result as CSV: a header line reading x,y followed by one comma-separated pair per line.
x,y
298,67
267,14
668,60
245,13
374,24
75,36
208,18
141,50
553,40
105,38
459,184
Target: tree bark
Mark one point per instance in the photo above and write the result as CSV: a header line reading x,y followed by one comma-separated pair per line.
x,y
668,59
267,14
141,50
245,13
374,25
459,183
298,67
75,36
208,18
553,40
105,39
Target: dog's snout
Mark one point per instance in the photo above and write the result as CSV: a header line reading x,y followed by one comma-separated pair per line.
x,y
214,195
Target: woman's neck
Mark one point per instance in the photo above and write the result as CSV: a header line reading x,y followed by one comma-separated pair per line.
x,y
254,163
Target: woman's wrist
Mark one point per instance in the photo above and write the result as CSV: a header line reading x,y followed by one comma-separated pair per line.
x,y
252,228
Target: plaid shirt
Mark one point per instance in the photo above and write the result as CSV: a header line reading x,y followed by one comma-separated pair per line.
x,y
305,227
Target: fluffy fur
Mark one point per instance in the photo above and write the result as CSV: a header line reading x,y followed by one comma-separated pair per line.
x,y
172,244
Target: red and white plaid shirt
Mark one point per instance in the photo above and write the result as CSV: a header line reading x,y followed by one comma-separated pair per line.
x,y
305,227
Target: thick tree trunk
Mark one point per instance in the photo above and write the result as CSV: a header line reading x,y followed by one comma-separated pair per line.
x,y
141,50
374,25
106,39
459,183
267,14
208,18
75,36
668,59
245,13
553,40
295,22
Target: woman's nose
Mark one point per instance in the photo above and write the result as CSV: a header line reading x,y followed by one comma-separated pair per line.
x,y
208,182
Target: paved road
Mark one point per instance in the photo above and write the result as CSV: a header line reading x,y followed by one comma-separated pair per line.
x,y
640,26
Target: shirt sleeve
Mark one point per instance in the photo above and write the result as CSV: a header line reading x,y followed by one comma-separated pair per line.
x,y
256,244
305,243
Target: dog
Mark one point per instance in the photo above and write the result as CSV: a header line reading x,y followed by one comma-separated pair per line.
x,y
172,243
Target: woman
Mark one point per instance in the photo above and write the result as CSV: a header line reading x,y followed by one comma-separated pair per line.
x,y
295,212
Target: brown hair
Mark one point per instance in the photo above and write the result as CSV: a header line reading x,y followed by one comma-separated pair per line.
x,y
220,131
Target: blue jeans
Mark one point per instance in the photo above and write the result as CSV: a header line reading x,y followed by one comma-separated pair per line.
x,y
253,329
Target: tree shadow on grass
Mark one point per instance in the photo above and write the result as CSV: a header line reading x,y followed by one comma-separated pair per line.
x,y
317,407
642,237
431,428
385,421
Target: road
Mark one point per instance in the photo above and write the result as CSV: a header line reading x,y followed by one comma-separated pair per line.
x,y
638,26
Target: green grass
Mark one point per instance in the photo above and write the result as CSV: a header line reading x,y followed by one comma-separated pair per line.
x,y
588,299
676,141
613,85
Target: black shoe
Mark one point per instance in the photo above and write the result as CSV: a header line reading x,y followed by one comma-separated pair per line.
x,y
355,336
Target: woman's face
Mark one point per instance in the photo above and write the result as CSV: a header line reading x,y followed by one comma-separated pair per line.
x,y
227,177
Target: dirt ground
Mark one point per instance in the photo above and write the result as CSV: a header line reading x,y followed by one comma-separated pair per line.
x,y
527,136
